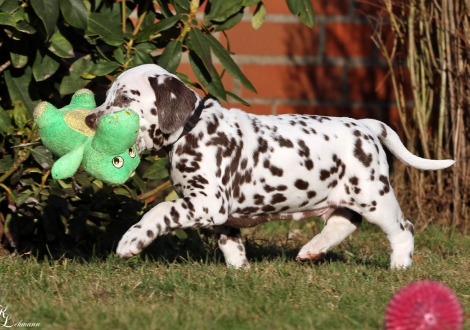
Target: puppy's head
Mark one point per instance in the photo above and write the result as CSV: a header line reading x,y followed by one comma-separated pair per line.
x,y
159,97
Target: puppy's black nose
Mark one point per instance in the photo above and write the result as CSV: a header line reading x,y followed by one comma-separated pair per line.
x,y
92,121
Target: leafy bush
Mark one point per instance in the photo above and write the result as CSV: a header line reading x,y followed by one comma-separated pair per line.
x,y
51,48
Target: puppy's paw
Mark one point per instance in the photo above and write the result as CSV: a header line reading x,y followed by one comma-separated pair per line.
x,y
313,250
134,241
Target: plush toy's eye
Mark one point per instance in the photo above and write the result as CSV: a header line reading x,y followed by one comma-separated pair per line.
x,y
132,152
118,162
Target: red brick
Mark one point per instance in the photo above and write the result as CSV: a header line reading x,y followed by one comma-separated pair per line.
x,y
277,7
369,8
339,111
320,7
273,39
391,117
331,7
258,109
294,82
370,84
349,39
375,84
282,109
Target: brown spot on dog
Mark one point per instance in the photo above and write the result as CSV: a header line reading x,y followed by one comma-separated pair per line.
x,y
361,155
278,198
324,174
301,184
311,194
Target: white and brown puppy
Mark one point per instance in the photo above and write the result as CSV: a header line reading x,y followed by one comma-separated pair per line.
x,y
233,169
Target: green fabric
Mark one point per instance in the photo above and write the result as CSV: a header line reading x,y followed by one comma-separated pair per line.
x,y
109,154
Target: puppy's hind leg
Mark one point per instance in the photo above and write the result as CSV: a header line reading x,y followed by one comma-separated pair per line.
x,y
231,244
400,232
338,226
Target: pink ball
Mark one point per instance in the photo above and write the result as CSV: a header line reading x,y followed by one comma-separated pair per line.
x,y
424,305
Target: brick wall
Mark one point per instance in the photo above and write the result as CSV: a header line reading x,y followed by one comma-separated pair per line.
x,y
332,69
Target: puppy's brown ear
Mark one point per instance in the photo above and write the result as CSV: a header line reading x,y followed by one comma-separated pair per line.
x,y
174,102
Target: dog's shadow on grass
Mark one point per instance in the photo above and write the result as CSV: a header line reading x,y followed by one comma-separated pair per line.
x,y
202,247
199,246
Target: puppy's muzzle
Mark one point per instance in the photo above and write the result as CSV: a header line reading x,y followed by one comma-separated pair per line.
x,y
92,121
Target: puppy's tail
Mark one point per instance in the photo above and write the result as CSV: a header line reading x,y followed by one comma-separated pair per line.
x,y
390,139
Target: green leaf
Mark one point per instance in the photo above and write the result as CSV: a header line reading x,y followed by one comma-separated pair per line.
x,y
101,69
211,82
101,24
19,14
141,57
7,19
6,163
48,12
5,121
171,197
73,81
43,157
18,85
184,78
119,55
146,47
200,45
10,6
113,41
249,3
229,23
237,98
171,56
25,27
75,13
221,10
18,52
44,66
20,114
259,15
303,9
149,19
157,170
123,192
61,46
180,233
162,25
163,5
181,6
138,183
227,62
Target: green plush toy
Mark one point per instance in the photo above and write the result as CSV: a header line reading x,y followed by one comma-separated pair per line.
x,y
109,154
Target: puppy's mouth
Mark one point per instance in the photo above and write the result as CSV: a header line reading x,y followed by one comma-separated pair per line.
x,y
92,121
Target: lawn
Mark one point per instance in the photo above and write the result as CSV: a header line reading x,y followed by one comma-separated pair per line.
x,y
348,290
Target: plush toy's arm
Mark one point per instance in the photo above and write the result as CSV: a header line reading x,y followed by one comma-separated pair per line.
x,y
66,166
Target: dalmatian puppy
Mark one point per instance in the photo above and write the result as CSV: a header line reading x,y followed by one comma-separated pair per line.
x,y
234,170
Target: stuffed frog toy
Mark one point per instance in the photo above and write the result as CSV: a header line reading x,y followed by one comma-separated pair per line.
x,y
109,154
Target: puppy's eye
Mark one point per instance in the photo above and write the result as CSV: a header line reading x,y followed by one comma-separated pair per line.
x,y
125,98
132,152
118,162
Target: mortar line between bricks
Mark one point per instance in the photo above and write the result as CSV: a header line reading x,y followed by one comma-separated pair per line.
x,y
351,62
318,103
286,18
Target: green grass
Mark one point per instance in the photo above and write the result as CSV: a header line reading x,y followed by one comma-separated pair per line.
x,y
349,290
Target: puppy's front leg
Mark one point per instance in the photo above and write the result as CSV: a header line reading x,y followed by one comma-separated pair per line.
x,y
167,216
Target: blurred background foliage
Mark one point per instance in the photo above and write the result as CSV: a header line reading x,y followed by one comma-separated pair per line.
x,y
51,48
426,44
